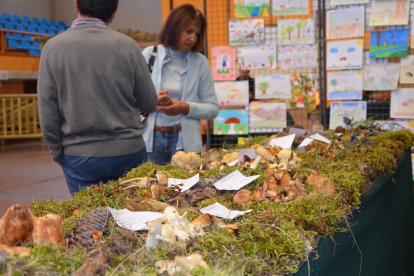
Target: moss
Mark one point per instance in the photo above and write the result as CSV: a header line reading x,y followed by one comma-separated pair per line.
x,y
272,239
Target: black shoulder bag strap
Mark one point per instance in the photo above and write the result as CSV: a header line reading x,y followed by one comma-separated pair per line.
x,y
152,59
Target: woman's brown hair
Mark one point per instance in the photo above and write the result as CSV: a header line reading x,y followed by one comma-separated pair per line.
x,y
177,20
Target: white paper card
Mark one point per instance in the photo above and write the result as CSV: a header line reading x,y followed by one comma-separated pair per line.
x,y
234,181
305,142
251,153
134,221
284,142
219,210
185,184
320,138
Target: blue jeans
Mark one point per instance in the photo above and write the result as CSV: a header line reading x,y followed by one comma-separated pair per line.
x,y
81,172
163,147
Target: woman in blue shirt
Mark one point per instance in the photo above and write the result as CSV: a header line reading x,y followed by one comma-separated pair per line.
x,y
183,79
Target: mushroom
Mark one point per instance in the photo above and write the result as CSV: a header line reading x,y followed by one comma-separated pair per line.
x,y
232,121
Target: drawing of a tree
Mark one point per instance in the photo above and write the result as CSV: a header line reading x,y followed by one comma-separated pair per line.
x,y
271,60
304,24
289,29
334,83
263,86
299,26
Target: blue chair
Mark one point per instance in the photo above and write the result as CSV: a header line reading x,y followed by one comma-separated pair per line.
x,y
7,16
10,27
42,30
27,37
34,53
13,44
17,18
51,32
26,19
53,23
25,45
44,22
36,20
36,45
2,20
32,29
9,35
2,26
17,36
21,28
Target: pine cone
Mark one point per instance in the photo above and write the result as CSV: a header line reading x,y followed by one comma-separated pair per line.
x,y
88,229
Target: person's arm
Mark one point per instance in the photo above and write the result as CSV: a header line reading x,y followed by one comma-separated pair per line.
x,y
208,106
144,89
49,114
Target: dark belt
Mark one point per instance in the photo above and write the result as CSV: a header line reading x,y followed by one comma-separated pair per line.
x,y
167,129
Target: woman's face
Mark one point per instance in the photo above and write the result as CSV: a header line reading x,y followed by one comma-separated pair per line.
x,y
188,37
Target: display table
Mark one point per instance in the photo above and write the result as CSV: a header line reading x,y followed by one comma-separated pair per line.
x,y
383,229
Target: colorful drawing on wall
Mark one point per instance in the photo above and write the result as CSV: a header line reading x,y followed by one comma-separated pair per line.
x,y
344,54
347,2
251,8
297,56
344,85
407,70
389,12
345,23
231,122
257,57
387,44
223,62
232,93
357,111
296,31
291,7
276,86
267,116
379,77
402,103
304,94
246,32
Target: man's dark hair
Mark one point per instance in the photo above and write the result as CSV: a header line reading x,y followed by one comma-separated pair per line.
x,y
177,20
102,9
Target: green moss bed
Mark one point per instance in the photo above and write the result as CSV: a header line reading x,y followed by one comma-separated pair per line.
x,y
275,238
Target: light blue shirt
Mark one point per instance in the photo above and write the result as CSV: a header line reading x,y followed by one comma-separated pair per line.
x,y
174,75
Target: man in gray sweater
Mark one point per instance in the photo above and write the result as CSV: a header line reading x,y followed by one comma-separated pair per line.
x,y
93,82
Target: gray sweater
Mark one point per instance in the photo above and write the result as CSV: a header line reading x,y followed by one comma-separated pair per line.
x,y
92,84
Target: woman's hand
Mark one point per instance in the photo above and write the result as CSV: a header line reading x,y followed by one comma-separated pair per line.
x,y
175,108
163,98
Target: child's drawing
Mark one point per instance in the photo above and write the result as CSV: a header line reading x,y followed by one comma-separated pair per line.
x,y
345,85
257,57
231,122
344,54
251,8
345,23
347,2
407,70
387,44
276,86
267,116
352,110
223,62
402,103
389,12
296,31
246,32
232,93
291,7
297,56
379,77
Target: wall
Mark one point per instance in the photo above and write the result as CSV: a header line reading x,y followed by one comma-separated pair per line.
x,y
135,14
38,8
